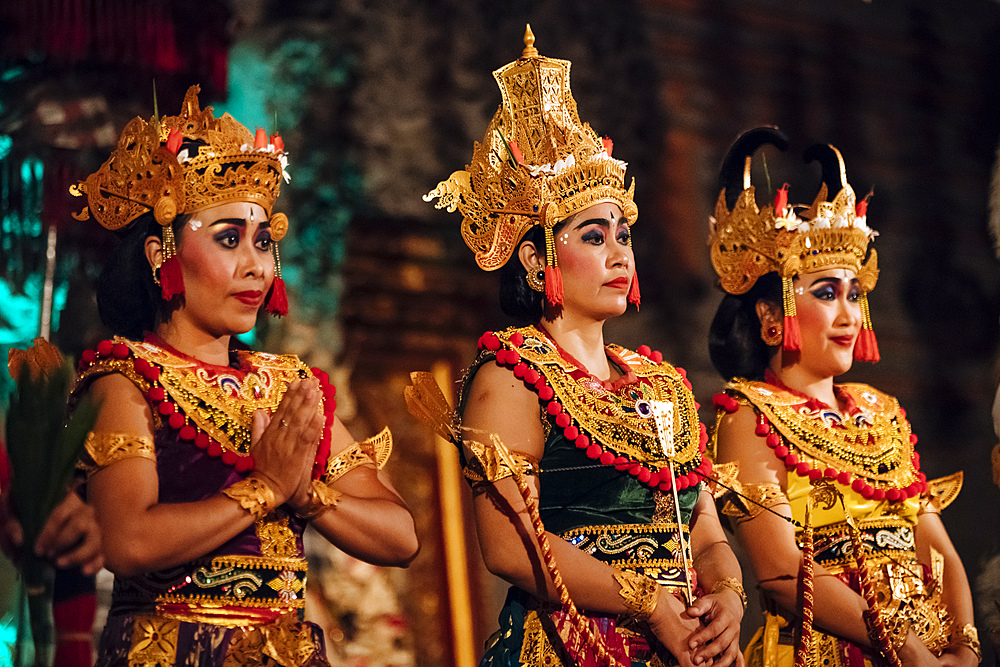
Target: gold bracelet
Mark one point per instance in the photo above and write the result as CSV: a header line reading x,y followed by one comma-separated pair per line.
x,y
967,635
639,593
321,498
253,494
733,584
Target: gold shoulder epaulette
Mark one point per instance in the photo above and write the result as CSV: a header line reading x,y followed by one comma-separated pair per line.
x,y
942,491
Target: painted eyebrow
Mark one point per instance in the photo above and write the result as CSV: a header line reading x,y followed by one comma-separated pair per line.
x,y
604,222
240,222
832,280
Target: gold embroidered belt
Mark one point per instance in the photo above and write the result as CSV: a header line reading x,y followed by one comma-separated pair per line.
x,y
888,537
227,590
649,549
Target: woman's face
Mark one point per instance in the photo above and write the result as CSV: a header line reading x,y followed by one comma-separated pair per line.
x,y
829,315
596,260
225,255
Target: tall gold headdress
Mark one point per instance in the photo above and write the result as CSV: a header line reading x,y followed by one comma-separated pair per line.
x,y
149,172
747,241
537,165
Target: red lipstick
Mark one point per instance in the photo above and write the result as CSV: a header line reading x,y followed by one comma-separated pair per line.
x,y
621,283
250,297
843,341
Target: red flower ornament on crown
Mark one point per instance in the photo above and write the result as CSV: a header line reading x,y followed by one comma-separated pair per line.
x,y
537,165
149,171
747,241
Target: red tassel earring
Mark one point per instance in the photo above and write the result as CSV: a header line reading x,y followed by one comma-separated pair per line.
x,y
171,278
277,303
553,276
793,337
866,348
634,297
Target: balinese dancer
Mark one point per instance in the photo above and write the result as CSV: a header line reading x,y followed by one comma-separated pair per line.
x,y
207,463
841,527
585,458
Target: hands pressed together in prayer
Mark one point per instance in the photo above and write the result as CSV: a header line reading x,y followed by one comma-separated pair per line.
x,y
707,633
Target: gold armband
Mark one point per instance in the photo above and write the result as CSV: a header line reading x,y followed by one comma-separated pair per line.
x,y
105,448
967,635
639,593
486,465
754,499
941,492
374,451
321,498
733,584
254,495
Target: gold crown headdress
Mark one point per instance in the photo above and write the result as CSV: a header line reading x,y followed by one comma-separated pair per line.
x,y
148,171
747,241
537,165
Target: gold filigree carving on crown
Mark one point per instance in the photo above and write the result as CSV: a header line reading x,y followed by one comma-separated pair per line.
x,y
747,242
142,175
537,164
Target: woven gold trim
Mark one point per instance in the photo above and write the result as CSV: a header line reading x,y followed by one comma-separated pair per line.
x,y
215,602
261,562
104,448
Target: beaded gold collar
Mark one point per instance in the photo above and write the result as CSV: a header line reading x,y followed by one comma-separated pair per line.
x,y
873,445
613,425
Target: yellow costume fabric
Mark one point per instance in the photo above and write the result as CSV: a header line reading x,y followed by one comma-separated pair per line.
x,y
819,444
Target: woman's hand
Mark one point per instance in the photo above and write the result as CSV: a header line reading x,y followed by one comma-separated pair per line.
x,y
958,656
718,641
284,444
70,537
915,654
674,627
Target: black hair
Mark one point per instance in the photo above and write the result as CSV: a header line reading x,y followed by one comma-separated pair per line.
x,y
734,342
128,299
517,299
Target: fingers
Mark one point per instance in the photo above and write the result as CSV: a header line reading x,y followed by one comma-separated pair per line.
x,y
261,420
729,656
11,538
48,540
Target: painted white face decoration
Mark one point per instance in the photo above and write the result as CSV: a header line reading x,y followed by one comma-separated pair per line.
x,y
194,224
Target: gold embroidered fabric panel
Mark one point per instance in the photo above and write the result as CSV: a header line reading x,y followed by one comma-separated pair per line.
x,y
276,539
154,642
874,444
648,549
105,448
612,418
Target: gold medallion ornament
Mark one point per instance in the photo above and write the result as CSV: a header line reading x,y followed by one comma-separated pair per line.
x,y
747,241
149,171
537,165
